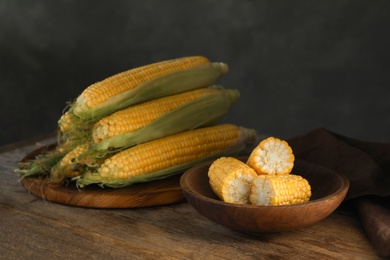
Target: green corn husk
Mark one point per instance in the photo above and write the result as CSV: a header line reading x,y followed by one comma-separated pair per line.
x,y
92,175
41,164
170,84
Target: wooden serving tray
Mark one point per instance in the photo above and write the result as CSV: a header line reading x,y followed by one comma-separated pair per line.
x,y
156,193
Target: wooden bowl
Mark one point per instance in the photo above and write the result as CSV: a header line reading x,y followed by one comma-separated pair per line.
x,y
328,191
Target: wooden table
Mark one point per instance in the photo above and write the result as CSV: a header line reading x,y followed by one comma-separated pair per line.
x,y
31,228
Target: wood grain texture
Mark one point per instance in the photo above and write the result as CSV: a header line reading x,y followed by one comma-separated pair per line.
x,y
32,228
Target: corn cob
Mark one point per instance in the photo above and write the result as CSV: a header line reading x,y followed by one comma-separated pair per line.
x,y
272,156
145,83
161,117
66,168
169,155
280,190
231,180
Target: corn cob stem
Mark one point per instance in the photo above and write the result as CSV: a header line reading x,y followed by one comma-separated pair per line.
x,y
169,155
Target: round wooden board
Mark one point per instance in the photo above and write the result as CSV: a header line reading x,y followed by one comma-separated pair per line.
x,y
156,193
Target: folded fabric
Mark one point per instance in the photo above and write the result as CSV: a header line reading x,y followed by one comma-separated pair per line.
x,y
374,213
366,165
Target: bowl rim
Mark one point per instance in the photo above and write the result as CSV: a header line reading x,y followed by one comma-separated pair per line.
x,y
188,189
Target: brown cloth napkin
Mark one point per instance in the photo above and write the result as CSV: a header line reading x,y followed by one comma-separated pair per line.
x,y
366,165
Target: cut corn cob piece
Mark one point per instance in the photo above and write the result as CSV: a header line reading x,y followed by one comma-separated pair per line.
x,y
169,155
280,190
66,168
272,156
146,83
231,180
161,117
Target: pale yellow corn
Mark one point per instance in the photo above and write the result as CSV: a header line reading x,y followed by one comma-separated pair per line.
x,y
280,190
135,117
166,155
272,156
231,180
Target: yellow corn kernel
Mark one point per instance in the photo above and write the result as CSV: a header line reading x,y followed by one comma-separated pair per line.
x,y
135,117
280,190
108,95
169,155
66,168
231,180
65,122
272,156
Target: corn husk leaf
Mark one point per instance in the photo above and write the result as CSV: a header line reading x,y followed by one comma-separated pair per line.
x,y
41,165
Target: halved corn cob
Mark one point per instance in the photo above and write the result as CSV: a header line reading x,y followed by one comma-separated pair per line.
x,y
272,156
161,117
169,155
146,83
231,180
280,190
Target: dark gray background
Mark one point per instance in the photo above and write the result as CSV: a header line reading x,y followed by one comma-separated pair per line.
x,y
298,65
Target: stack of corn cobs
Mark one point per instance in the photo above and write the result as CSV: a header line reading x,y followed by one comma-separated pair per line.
x,y
144,124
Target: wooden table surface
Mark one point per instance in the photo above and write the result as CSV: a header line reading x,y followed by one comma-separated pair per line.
x,y
31,228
